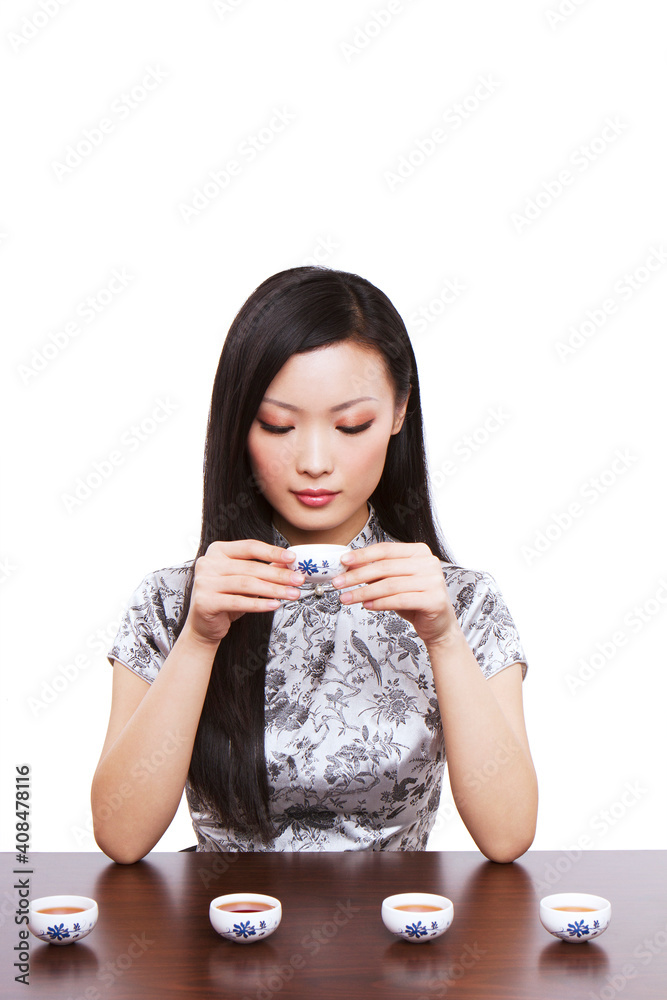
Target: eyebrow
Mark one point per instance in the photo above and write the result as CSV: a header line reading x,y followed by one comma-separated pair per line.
x,y
334,409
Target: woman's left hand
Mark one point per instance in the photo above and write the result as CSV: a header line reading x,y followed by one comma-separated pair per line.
x,y
402,577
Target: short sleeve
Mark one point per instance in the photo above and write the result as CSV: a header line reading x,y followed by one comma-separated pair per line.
x,y
485,619
146,633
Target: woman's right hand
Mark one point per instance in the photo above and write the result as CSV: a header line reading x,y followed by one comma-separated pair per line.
x,y
235,577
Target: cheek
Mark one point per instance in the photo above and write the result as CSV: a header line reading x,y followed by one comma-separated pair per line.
x,y
268,456
370,458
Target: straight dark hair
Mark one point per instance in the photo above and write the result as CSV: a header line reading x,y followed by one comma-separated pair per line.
x,y
297,310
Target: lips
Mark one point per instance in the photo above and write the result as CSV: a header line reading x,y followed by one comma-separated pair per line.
x,y
315,493
315,498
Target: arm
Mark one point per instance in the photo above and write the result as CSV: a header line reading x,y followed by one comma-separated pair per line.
x,y
144,763
490,767
146,755
491,772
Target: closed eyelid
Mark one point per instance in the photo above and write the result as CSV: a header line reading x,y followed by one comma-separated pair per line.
x,y
283,428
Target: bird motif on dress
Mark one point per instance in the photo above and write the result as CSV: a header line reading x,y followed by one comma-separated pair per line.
x,y
365,652
410,648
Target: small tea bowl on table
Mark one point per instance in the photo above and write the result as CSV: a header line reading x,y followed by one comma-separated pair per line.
x,y
417,916
62,919
576,917
245,917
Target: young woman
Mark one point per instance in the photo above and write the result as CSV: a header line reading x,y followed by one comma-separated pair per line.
x,y
299,718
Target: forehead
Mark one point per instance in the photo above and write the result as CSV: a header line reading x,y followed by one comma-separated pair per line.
x,y
330,375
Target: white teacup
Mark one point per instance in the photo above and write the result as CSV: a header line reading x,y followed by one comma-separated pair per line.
x,y
62,928
245,927
318,562
418,925
572,925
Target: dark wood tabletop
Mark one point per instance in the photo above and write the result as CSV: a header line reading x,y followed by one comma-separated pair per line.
x,y
154,938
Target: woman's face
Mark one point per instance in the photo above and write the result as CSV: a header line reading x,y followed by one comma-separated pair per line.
x,y
324,425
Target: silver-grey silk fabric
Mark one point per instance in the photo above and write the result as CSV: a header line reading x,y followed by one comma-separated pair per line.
x,y
353,743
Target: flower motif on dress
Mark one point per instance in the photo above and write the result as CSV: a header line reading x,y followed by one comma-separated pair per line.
x,y
316,667
464,599
393,704
394,625
432,719
285,714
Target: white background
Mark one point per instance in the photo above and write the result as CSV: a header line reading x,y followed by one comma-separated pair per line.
x,y
360,95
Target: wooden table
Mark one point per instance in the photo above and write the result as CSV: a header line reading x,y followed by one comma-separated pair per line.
x,y
154,939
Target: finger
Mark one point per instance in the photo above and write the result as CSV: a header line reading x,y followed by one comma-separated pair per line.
x,y
389,588
221,566
399,568
237,603
241,585
380,550
251,548
406,601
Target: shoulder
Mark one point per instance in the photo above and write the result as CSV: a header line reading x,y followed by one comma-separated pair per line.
x,y
466,581
168,581
486,621
147,630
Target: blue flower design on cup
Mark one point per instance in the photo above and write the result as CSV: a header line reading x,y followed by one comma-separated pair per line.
x,y
58,932
416,930
579,928
244,929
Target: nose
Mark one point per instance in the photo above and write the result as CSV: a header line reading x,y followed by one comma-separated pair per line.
x,y
314,455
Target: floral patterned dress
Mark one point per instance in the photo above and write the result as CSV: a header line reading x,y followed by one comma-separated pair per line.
x,y
353,743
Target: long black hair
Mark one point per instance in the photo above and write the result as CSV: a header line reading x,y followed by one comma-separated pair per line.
x,y
294,311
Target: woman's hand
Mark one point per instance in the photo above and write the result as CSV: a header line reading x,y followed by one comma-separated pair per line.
x,y
402,577
235,577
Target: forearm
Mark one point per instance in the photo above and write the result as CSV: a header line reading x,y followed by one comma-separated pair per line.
x,y
139,782
491,772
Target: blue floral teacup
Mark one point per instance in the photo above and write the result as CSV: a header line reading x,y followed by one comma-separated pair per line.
x,y
62,919
417,916
575,916
241,923
318,562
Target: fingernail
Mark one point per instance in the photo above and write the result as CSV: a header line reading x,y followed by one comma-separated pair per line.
x,y
338,581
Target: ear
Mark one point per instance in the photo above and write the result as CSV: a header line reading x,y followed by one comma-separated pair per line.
x,y
400,414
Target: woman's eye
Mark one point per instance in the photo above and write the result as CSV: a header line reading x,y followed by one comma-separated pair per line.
x,y
272,429
356,430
